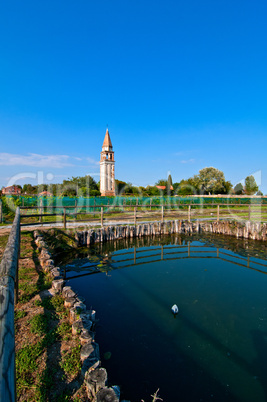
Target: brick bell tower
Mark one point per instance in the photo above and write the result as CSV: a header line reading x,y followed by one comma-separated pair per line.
x,y
107,168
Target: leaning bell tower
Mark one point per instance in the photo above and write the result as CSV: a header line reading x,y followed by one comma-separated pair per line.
x,y
107,168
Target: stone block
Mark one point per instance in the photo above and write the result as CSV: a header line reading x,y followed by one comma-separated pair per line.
x,y
95,380
58,284
86,336
67,292
107,394
69,302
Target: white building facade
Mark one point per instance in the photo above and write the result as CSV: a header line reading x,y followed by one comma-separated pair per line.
x,y
107,168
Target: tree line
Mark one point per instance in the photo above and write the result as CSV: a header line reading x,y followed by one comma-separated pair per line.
x,y
208,181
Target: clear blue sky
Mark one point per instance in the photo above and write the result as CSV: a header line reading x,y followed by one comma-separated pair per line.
x,y
181,84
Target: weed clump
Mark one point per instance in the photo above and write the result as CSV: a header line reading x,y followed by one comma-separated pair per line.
x,y
71,363
39,324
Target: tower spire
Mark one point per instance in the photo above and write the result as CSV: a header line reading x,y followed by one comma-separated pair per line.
x,y
107,141
107,167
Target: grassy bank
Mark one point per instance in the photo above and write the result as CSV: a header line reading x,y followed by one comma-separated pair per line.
x,y
47,355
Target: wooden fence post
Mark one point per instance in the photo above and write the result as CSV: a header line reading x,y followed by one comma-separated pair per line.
x,y
16,294
162,213
75,210
249,212
102,217
64,218
1,212
218,213
150,203
189,213
135,215
41,210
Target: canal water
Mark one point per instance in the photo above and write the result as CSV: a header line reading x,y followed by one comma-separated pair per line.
x,y
214,349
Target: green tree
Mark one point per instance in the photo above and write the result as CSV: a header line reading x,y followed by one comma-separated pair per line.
x,y
238,189
169,186
55,189
211,181
161,182
152,191
29,189
185,187
80,186
41,188
251,186
175,187
120,186
123,188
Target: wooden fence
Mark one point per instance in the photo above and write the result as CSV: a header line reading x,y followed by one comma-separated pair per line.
x,y
130,214
1,211
8,298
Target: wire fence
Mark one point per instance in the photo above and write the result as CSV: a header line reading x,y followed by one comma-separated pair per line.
x,y
77,207
120,200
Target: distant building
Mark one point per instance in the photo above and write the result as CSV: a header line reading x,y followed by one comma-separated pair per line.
x,y
15,190
45,194
164,187
107,168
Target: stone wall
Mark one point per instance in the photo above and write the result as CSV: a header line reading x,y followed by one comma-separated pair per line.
x,y
248,230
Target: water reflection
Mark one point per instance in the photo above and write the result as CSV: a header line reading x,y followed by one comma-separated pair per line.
x,y
216,348
141,251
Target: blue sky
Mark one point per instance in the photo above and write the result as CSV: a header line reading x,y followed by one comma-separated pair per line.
x,y
181,84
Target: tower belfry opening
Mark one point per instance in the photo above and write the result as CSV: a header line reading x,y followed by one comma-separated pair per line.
x,y
107,167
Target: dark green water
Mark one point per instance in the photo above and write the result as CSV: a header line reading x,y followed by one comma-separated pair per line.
x,y
216,347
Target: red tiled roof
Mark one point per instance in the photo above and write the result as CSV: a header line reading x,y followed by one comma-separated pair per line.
x,y
163,187
45,193
107,140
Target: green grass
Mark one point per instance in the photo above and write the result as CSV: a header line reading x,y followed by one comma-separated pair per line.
x,y
64,331
48,329
52,303
58,303
46,381
26,364
50,338
39,324
29,290
71,363
29,283
20,314
3,241
44,282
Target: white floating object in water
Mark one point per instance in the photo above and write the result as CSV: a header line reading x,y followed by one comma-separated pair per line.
x,y
175,309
